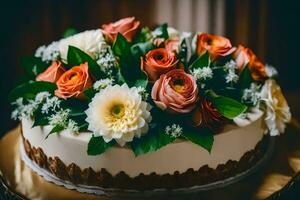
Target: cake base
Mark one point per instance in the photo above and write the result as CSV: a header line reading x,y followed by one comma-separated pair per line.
x,y
195,181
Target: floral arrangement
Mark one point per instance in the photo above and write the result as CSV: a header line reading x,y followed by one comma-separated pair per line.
x,y
144,88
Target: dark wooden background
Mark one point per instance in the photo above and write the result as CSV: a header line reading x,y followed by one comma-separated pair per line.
x,y
269,27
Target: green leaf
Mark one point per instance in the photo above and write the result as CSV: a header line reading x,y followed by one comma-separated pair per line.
x,y
143,81
83,127
90,93
33,65
140,49
69,32
76,57
201,137
245,79
121,47
151,142
40,119
162,31
119,77
56,129
202,61
97,145
228,107
143,36
30,89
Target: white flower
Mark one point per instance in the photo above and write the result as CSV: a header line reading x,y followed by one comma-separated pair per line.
x,y
72,126
244,119
88,41
48,53
118,112
252,94
106,59
231,65
231,77
142,91
277,109
23,110
60,118
202,73
271,71
103,83
40,97
174,131
51,104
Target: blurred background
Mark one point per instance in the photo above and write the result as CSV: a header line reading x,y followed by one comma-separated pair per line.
x,y
270,27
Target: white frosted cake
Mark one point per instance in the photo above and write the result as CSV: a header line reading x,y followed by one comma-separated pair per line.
x,y
136,109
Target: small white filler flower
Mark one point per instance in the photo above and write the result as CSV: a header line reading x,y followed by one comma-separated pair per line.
x,y
118,112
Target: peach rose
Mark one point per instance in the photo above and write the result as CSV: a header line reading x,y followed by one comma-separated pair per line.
x,y
217,46
175,91
244,56
126,26
52,73
73,82
157,62
172,45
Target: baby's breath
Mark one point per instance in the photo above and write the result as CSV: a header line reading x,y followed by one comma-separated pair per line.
x,y
103,83
175,130
201,74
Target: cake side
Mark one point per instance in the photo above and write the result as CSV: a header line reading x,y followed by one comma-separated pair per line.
x,y
178,156
121,180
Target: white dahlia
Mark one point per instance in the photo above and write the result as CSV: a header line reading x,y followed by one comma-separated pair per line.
x,y
88,41
277,109
118,112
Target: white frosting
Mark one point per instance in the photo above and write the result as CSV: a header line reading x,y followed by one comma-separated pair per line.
x,y
179,156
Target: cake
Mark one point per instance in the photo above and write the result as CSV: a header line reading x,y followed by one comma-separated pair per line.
x,y
130,108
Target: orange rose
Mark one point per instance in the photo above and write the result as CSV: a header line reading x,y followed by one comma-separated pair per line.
x,y
257,68
244,56
158,62
73,82
126,26
52,73
217,46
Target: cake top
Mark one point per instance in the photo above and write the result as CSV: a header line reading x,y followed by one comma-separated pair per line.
x,y
130,85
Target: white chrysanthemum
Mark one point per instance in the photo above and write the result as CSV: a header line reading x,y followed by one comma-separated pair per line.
x,y
202,73
88,41
118,112
277,109
174,131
